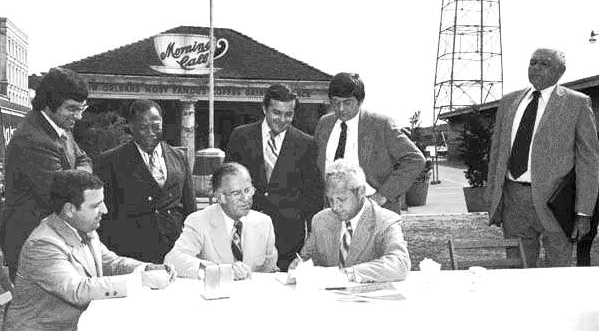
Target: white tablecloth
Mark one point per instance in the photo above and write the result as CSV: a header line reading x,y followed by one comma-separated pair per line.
x,y
530,299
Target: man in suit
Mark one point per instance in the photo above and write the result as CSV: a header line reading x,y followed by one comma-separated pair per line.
x,y
63,265
282,162
148,189
357,235
389,158
540,134
43,145
228,231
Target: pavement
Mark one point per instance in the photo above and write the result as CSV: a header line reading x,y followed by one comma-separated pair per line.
x,y
445,197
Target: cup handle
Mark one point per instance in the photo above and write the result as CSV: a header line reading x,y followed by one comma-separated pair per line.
x,y
219,45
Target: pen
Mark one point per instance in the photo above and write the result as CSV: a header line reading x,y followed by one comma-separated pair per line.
x,y
335,288
299,257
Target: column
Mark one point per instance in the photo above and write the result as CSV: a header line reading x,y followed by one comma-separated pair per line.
x,y
188,130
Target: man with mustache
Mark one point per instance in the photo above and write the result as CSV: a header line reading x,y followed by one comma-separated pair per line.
x,y
43,145
228,231
149,189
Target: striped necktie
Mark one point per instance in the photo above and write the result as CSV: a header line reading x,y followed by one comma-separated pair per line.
x,y
345,243
86,240
156,169
236,241
271,155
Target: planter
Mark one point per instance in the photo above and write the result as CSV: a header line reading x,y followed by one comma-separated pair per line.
x,y
417,193
475,199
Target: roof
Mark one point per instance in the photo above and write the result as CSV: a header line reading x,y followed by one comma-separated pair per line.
x,y
245,59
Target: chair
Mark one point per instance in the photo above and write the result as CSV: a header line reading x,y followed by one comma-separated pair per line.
x,y
6,289
471,254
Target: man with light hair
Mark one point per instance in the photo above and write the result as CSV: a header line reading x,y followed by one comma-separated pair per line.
x,y
355,233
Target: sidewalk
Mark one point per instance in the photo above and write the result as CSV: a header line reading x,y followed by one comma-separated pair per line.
x,y
446,197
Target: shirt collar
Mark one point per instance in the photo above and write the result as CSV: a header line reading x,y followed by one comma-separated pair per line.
x,y
229,222
351,123
71,227
157,149
59,131
355,219
545,93
266,132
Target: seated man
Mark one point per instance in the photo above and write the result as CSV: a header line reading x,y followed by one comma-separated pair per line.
x,y
62,264
357,235
228,231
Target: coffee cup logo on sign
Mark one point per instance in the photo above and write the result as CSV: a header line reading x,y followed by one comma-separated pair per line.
x,y
186,54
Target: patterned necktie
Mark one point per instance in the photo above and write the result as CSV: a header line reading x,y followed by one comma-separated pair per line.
x,y
342,140
236,241
271,155
156,169
345,243
518,162
67,148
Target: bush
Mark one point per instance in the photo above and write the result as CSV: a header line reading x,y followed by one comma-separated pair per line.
x,y
475,148
97,132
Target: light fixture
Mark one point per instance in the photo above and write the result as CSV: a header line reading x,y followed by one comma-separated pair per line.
x,y
592,39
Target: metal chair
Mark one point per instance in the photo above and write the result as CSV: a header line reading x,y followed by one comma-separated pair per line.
x,y
472,254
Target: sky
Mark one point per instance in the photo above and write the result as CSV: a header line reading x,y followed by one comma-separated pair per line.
x,y
391,44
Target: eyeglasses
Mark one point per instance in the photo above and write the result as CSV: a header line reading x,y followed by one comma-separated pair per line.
x,y
347,103
238,194
542,63
77,109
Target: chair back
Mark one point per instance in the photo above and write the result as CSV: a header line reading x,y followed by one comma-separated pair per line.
x,y
488,253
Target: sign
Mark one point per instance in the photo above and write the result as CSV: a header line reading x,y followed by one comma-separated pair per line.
x,y
186,54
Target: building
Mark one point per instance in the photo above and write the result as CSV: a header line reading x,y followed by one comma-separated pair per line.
x,y
456,119
172,69
14,91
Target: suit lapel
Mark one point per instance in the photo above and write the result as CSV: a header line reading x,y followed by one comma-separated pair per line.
x,y
287,146
513,108
78,248
67,162
553,105
364,140
169,161
255,134
250,242
363,234
96,252
334,237
328,121
220,237
137,165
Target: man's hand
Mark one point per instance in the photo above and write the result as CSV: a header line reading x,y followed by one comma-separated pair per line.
x,y
158,276
378,198
582,226
241,270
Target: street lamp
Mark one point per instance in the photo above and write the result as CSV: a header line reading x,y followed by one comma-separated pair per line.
x,y
592,39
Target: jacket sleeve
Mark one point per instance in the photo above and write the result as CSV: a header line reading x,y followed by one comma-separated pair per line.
x,y
312,185
188,194
184,254
587,159
394,263
408,159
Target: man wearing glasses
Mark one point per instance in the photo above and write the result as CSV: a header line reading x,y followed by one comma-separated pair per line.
x,y
42,146
227,232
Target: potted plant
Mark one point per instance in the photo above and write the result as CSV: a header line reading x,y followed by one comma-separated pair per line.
x,y
475,148
417,193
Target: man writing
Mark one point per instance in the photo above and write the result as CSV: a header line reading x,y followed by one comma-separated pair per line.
x,y
228,231
355,234
63,265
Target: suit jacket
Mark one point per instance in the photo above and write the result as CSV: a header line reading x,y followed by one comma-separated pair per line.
x,y
143,219
33,155
56,280
294,193
566,138
205,239
388,157
378,252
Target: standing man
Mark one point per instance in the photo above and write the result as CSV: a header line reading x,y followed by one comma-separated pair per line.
x,y
540,134
282,162
228,231
43,145
63,266
389,158
148,189
355,234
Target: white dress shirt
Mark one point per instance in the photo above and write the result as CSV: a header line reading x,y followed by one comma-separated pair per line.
x,y
266,137
354,223
351,145
230,223
157,154
543,99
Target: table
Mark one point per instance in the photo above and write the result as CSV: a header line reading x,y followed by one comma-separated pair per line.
x,y
515,299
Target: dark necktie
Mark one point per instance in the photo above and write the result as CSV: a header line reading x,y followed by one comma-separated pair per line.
x,y
236,242
518,162
345,243
87,240
342,140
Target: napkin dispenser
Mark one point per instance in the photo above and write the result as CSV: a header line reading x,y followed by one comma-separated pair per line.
x,y
217,281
